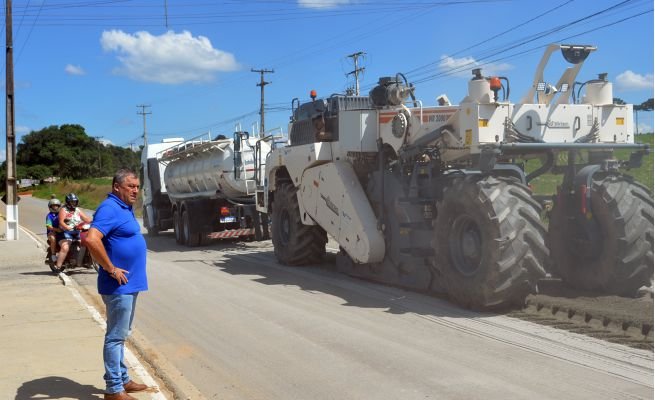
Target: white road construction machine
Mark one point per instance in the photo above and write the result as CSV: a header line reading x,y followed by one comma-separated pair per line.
x,y
438,199
204,188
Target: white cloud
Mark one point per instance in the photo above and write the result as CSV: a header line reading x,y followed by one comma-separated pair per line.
x,y
644,128
170,58
3,155
322,4
462,67
628,80
71,69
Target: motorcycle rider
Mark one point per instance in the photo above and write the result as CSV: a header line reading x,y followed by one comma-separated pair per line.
x,y
52,226
70,216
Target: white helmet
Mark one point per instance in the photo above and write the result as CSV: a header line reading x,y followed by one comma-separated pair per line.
x,y
52,203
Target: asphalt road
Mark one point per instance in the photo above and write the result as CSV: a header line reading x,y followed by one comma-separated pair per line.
x,y
236,325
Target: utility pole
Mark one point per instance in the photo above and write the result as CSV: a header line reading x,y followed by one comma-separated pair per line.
x,y
356,72
97,138
166,12
261,84
12,196
144,113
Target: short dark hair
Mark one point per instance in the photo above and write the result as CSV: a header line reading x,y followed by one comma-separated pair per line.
x,y
121,174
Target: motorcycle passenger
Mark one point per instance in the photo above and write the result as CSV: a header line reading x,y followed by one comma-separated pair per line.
x,y
70,216
52,226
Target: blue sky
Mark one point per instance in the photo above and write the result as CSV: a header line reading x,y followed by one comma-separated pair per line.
x,y
92,62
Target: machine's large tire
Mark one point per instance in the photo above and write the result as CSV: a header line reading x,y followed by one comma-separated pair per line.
x,y
294,243
620,259
177,227
489,242
191,237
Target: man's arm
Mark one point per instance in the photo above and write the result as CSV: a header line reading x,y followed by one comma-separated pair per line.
x,y
99,253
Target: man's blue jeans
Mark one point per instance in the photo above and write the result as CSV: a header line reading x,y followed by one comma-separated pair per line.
x,y
120,314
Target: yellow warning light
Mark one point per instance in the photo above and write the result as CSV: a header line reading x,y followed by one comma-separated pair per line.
x,y
620,121
483,123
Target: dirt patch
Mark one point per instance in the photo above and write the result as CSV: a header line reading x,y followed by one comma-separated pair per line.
x,y
628,321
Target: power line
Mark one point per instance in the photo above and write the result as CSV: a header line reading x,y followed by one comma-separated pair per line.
x,y
417,79
454,71
488,40
29,34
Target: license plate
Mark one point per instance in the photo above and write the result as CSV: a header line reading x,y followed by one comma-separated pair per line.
x,y
227,220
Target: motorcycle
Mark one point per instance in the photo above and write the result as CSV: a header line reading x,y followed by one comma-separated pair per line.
x,y
78,255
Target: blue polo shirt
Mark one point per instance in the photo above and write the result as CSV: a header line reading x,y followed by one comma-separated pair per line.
x,y
125,246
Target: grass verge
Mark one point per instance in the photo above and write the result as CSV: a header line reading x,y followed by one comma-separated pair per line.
x,y
91,192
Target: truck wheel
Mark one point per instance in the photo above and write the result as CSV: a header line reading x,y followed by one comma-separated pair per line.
x,y
204,240
294,243
177,227
489,242
146,222
619,259
191,237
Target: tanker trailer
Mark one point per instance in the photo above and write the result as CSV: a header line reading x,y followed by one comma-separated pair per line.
x,y
156,203
211,185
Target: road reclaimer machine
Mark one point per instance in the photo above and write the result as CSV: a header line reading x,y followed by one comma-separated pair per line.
x,y
438,199
204,188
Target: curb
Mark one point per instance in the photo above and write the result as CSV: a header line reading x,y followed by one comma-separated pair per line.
x,y
138,367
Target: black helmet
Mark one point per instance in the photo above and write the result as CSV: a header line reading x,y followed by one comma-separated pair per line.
x,y
54,203
71,200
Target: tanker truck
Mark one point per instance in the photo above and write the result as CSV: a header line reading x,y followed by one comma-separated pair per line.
x,y
204,188
439,198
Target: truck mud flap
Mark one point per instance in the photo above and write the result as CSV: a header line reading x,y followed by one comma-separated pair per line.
x,y
232,233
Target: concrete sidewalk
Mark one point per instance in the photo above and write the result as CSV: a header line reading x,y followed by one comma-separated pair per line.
x,y
50,339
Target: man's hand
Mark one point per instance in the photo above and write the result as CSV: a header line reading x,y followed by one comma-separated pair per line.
x,y
120,275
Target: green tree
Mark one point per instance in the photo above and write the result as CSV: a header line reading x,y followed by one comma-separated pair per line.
x,y
39,172
3,177
645,106
69,152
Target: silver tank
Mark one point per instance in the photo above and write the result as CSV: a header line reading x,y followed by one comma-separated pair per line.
x,y
208,171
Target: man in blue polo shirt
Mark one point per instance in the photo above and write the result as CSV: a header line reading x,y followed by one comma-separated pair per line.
x,y
116,243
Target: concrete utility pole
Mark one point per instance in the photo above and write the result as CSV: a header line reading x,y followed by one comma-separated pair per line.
x,y
97,138
144,113
356,72
166,12
12,195
261,84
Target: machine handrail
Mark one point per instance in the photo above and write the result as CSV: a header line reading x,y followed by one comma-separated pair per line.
x,y
194,145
